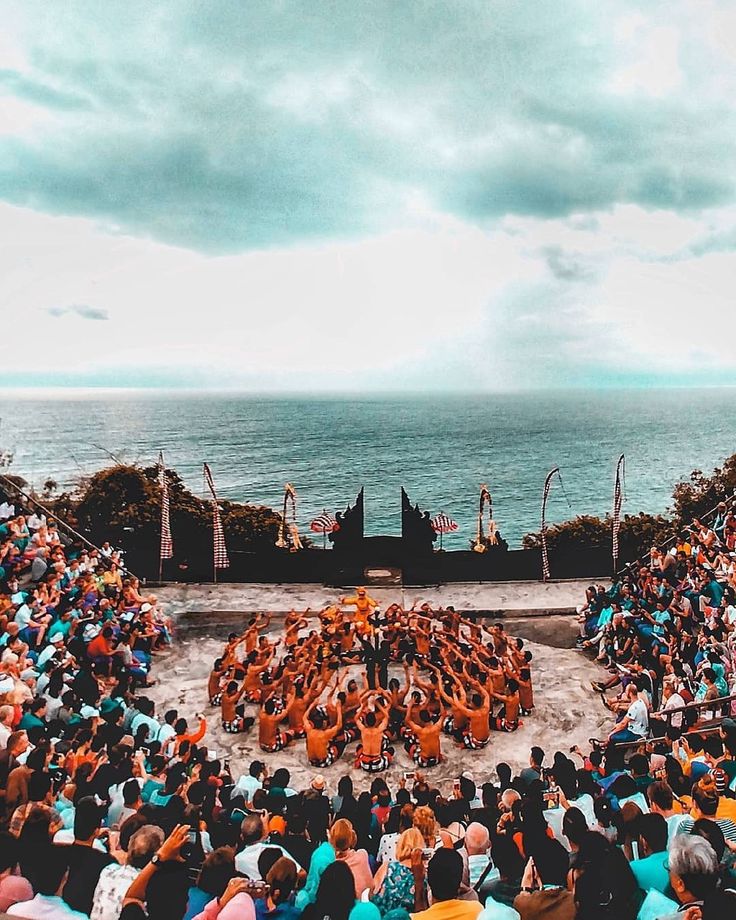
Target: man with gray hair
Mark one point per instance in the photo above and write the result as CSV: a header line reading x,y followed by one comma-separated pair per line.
x,y
115,879
695,879
480,868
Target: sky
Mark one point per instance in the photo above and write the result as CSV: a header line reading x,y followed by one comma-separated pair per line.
x,y
329,195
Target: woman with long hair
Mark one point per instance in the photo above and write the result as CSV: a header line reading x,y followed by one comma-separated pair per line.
x,y
344,839
604,886
335,894
344,804
393,886
426,823
364,823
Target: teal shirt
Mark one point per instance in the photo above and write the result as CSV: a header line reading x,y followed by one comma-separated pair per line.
x,y
660,617
149,787
30,721
650,872
60,627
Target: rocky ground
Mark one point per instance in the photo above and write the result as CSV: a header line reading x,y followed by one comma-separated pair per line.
x,y
567,713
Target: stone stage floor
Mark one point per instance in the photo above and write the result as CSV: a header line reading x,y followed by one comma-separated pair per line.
x,y
567,712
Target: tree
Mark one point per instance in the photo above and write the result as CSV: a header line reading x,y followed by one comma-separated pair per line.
x,y
637,534
123,504
701,493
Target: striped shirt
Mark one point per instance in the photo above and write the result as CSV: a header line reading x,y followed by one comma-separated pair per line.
x,y
726,825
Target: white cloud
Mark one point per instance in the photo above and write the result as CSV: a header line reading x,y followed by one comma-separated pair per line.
x,y
650,55
439,303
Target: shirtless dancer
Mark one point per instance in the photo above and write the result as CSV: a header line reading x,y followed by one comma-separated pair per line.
x,y
270,737
232,710
373,753
424,741
322,748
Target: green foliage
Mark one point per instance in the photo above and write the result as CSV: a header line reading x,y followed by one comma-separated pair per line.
x,y
638,533
123,504
693,498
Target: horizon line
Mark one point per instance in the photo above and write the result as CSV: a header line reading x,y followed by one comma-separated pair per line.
x,y
68,390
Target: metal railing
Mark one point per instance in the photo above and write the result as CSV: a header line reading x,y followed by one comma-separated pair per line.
x,y
13,487
668,544
666,715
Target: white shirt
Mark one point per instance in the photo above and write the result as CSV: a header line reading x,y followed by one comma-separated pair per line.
x,y
164,733
4,734
638,718
45,907
47,653
674,702
35,521
247,785
673,826
246,861
477,865
387,848
6,511
23,616
114,881
153,726
66,836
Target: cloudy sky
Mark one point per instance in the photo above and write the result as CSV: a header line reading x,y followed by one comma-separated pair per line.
x,y
425,194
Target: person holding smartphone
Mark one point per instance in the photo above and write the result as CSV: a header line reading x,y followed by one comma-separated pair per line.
x,y
543,885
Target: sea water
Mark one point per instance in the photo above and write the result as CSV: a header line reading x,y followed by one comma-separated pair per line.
x,y
439,447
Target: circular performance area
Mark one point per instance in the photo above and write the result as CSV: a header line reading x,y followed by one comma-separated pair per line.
x,y
376,692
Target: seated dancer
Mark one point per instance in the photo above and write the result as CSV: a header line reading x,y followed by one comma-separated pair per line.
x,y
270,737
508,718
255,625
526,692
293,624
256,664
423,737
397,698
455,722
477,710
322,748
373,754
306,691
232,710
215,681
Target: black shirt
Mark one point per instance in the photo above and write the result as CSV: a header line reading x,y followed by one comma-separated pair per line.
x,y
85,865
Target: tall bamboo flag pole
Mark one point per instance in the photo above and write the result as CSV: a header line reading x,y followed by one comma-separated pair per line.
x,y
220,558
545,496
166,549
618,497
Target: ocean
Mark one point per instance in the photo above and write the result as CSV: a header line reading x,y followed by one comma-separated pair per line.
x,y
439,447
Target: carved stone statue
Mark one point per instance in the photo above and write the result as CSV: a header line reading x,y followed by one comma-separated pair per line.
x,y
416,527
349,535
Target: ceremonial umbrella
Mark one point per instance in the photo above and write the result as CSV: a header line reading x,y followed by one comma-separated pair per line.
x,y
443,524
324,523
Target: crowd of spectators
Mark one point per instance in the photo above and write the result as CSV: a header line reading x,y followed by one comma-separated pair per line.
x,y
109,810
